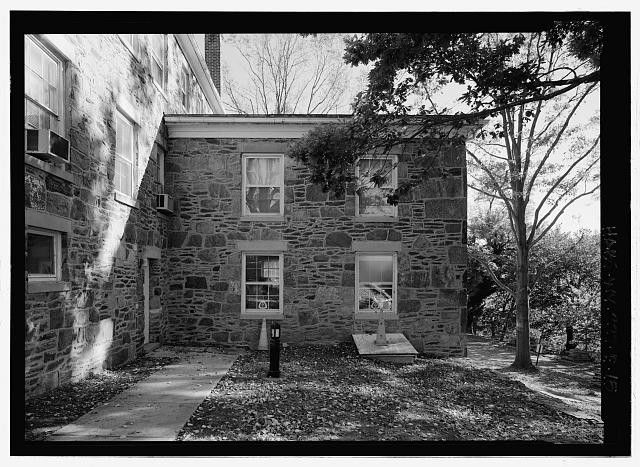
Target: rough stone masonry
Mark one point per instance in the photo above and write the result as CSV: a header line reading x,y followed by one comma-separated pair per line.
x,y
204,297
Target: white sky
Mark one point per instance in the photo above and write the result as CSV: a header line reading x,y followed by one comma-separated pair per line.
x,y
584,213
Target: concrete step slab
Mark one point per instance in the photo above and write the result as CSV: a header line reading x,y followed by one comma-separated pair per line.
x,y
397,350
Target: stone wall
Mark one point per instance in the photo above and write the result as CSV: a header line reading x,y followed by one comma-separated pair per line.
x,y
95,318
203,297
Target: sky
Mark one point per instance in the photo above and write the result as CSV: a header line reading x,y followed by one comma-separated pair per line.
x,y
584,213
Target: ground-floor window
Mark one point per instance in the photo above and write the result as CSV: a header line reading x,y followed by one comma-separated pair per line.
x,y
376,282
43,254
262,282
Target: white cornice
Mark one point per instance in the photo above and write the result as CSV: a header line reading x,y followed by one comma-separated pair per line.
x,y
263,127
199,67
216,126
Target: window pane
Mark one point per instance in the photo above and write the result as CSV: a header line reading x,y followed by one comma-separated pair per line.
x,y
373,202
263,200
375,297
40,254
263,171
370,167
124,138
262,290
122,179
156,72
376,269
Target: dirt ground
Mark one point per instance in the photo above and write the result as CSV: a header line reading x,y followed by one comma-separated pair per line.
x,y
567,386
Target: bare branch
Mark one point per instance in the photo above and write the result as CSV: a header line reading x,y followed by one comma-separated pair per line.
x,y
544,232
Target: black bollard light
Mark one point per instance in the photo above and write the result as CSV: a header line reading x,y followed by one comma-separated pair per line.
x,y
274,352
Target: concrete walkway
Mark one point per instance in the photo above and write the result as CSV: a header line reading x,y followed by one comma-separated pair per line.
x,y
156,408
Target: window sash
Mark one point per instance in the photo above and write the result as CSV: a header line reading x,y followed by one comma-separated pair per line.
x,y
276,184
43,86
381,208
125,155
158,58
56,255
265,283
362,286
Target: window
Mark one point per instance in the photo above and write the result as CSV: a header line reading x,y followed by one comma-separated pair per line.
x,y
43,87
372,200
125,153
160,162
263,185
200,105
262,282
132,41
185,88
376,282
43,255
158,58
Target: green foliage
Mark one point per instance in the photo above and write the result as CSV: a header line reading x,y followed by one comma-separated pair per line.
x,y
565,284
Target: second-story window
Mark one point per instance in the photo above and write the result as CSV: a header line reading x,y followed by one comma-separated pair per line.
x,y
372,199
263,185
158,58
43,87
125,155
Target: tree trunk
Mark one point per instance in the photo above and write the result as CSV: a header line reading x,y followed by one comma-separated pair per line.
x,y
523,346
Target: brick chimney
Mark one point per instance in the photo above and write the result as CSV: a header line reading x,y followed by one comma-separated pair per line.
x,y
212,57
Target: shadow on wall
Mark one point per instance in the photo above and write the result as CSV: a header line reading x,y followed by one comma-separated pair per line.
x,y
99,322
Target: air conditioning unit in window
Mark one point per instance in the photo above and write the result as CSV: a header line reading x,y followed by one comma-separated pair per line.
x,y
164,203
47,145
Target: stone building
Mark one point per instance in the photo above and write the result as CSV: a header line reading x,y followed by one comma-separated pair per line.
x,y
111,266
94,165
252,238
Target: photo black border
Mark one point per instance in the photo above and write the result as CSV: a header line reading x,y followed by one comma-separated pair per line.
x,y
615,216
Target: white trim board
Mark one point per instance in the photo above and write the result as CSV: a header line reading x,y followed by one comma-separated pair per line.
x,y
199,68
239,127
261,127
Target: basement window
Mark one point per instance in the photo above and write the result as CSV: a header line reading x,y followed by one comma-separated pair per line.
x,y
43,255
262,283
376,283
371,200
263,185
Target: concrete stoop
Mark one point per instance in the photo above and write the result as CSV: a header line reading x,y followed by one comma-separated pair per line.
x,y
156,408
397,350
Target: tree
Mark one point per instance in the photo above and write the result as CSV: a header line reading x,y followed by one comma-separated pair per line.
x,y
286,73
529,85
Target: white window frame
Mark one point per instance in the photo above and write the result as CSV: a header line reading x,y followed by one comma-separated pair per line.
x,y
57,255
161,61
134,153
59,115
394,304
394,184
245,211
267,313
